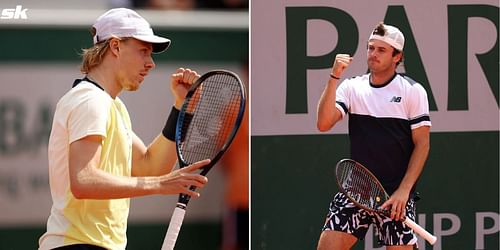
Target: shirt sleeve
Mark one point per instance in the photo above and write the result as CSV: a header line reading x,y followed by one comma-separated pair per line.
x,y
89,116
418,107
342,101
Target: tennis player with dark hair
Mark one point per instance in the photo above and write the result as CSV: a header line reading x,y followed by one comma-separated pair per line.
x,y
389,128
96,162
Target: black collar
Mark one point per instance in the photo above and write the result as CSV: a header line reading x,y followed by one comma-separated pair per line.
x,y
78,81
384,84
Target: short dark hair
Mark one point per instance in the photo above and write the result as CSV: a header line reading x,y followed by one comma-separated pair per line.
x,y
380,30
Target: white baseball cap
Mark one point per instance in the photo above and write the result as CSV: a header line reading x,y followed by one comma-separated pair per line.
x,y
122,22
391,35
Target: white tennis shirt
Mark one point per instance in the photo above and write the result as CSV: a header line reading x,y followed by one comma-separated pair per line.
x,y
381,118
87,110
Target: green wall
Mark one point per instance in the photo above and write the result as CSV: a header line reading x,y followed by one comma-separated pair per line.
x,y
293,183
64,44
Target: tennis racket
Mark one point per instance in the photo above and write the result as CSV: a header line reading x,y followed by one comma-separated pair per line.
x,y
365,191
208,121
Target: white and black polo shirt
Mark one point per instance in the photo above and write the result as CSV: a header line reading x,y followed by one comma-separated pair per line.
x,y
380,122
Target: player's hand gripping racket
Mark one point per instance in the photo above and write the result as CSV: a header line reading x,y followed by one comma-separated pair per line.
x,y
207,123
365,191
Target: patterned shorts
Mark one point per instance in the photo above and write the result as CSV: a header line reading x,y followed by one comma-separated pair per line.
x,y
344,216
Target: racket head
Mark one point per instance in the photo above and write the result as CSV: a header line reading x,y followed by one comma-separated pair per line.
x,y
360,185
209,118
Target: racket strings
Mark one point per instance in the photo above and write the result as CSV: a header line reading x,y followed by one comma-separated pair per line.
x,y
360,185
215,106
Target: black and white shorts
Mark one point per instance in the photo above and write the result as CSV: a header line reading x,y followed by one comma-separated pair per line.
x,y
344,216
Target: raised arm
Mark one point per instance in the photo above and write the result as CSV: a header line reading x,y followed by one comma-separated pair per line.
x,y
159,157
327,114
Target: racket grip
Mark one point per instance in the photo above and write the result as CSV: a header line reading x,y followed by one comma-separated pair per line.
x,y
420,231
173,228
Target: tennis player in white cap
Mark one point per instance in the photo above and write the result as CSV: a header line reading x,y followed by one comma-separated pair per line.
x,y
389,127
96,162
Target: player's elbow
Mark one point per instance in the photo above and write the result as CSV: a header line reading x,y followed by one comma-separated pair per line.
x,y
425,146
323,126
80,188
78,191
326,120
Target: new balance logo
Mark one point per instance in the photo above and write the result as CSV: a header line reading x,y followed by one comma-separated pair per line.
x,y
396,99
17,13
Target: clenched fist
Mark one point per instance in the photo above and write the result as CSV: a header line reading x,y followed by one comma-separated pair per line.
x,y
341,62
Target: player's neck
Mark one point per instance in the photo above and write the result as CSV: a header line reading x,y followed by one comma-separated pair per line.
x,y
380,78
106,80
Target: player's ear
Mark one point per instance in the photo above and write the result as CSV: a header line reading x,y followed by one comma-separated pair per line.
x,y
114,45
397,56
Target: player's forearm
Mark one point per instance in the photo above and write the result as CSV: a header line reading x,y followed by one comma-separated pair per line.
x,y
92,183
157,159
327,114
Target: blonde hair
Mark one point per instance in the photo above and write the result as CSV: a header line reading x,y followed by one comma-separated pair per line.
x,y
93,56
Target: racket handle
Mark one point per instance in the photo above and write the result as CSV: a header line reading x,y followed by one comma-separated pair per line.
x,y
173,228
420,231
